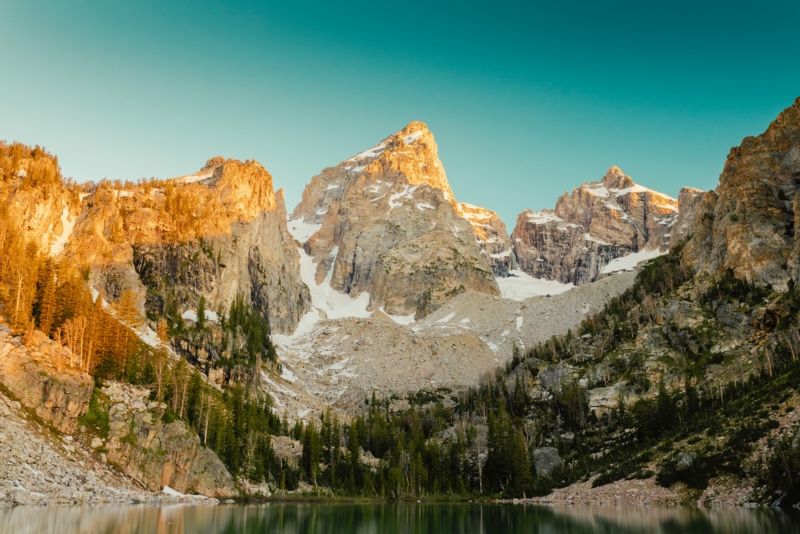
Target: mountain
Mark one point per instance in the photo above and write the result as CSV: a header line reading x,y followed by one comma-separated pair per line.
x,y
480,363
592,229
384,229
218,233
748,223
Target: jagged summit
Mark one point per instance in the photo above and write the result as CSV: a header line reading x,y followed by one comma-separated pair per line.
x,y
386,223
592,228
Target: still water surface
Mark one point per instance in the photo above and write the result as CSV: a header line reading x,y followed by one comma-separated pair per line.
x,y
276,518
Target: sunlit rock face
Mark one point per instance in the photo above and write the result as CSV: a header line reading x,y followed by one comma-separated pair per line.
x,y
385,222
748,223
217,233
492,238
596,224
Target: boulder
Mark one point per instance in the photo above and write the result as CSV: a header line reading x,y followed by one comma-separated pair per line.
x,y
58,396
546,460
162,454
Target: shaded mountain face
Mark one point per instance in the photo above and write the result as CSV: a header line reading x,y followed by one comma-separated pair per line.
x,y
748,223
386,223
218,233
595,225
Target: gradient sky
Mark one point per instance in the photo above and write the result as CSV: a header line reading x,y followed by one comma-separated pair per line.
x,y
526,99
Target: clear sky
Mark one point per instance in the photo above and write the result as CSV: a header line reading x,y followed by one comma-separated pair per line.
x,y
526,99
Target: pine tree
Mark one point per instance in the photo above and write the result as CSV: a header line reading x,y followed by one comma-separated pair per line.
x,y
200,325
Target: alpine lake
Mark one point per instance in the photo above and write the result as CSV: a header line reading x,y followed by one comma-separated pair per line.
x,y
403,518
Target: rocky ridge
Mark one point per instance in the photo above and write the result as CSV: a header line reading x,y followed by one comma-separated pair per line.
x,y
596,224
748,223
218,233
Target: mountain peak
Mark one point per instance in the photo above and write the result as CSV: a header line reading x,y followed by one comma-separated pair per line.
x,y
616,179
415,127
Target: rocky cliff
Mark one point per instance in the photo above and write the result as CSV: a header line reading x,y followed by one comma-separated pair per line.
x,y
217,233
37,371
33,192
596,224
748,223
157,453
689,202
385,222
40,377
492,238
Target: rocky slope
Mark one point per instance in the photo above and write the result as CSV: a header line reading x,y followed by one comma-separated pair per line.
x,y
341,362
748,223
40,377
385,222
35,372
598,223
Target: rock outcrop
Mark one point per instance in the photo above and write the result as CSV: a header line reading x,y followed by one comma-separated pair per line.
x,y
597,223
218,233
546,460
59,396
160,454
748,223
689,203
492,238
385,222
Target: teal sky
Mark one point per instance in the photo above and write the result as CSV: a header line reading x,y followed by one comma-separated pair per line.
x,y
526,99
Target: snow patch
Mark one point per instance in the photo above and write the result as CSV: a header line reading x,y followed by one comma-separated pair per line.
x,y
505,254
447,318
287,375
399,319
589,237
191,315
412,137
407,192
519,286
302,231
67,227
629,262
335,305
192,178
542,217
371,153
597,190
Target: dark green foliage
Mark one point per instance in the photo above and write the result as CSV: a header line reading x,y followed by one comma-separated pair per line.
x,y
728,288
246,336
96,418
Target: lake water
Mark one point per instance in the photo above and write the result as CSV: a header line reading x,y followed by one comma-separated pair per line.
x,y
416,518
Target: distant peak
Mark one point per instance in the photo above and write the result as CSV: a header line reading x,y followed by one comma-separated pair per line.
x,y
213,163
616,179
414,127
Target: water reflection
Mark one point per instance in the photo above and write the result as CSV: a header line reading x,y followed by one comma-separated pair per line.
x,y
392,519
